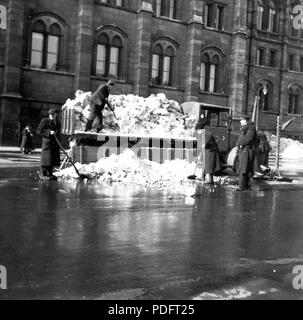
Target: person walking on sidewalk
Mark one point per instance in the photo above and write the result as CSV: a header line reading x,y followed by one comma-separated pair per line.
x,y
99,100
26,144
247,144
49,128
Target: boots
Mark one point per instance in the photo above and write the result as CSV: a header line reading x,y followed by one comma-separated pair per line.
x,y
209,179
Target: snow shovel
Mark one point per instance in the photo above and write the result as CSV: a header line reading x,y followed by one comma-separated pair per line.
x,y
283,179
81,176
193,176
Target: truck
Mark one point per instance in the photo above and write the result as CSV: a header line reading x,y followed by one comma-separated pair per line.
x,y
218,120
88,147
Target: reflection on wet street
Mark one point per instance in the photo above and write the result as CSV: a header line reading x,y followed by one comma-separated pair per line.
x,y
85,241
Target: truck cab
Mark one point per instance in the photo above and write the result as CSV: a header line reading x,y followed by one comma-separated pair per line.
x,y
217,120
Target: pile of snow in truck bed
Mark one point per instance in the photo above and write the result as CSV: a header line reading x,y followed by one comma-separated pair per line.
x,y
153,116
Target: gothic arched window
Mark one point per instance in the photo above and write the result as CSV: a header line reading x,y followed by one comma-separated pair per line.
x,y
102,52
38,44
268,16
166,8
210,71
264,92
294,95
273,17
156,56
109,51
46,43
163,58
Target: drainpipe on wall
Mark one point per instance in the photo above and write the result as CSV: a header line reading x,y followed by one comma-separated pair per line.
x,y
250,58
284,48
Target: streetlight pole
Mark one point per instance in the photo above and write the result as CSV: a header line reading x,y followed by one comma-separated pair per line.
x,y
278,139
256,111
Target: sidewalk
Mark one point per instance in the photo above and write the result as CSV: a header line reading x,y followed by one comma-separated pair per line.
x,y
13,157
15,150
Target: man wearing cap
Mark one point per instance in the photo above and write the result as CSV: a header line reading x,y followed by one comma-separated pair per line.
x,y
99,100
50,155
247,143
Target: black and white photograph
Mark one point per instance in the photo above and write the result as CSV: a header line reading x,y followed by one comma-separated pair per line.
x,y
151,150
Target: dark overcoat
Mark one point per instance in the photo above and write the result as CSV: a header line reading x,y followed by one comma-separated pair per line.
x,y
100,95
264,149
247,144
50,155
26,139
210,153
212,159
99,98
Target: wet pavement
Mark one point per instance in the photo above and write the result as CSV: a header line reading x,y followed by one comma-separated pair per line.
x,y
68,240
12,157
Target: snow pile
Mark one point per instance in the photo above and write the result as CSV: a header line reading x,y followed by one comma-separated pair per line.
x,y
153,116
128,169
294,150
289,148
81,106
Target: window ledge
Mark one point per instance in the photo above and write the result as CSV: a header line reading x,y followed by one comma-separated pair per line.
x,y
169,19
151,85
114,6
297,115
217,30
267,32
102,78
62,73
266,67
165,87
270,112
295,38
220,94
294,71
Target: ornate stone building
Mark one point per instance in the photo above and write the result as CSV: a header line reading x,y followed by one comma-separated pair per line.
x,y
222,53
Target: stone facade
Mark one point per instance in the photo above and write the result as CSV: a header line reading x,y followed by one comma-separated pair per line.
x,y
27,92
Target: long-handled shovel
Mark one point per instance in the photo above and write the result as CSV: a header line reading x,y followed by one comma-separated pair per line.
x,y
193,176
81,176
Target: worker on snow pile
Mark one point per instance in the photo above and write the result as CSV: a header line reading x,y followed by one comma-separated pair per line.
x,y
212,160
50,155
99,100
247,144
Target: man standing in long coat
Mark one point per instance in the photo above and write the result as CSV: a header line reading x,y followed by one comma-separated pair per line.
x,y
50,155
247,144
